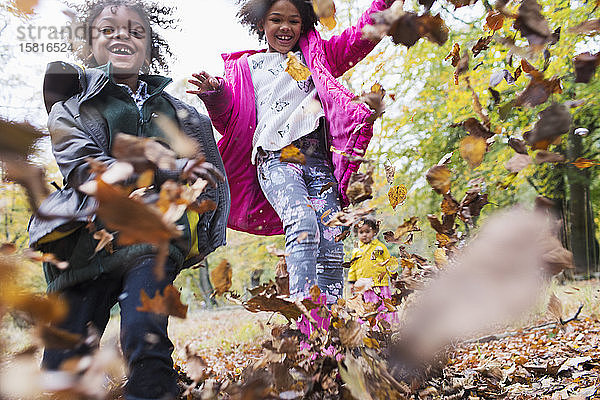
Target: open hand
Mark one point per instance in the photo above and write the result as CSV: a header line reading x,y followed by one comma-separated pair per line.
x,y
204,82
198,168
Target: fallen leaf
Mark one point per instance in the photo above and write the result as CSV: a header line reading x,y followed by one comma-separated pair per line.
x,y
196,369
221,278
438,178
296,69
472,149
167,304
292,154
397,195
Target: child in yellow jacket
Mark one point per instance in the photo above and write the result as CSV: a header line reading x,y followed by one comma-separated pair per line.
x,y
371,260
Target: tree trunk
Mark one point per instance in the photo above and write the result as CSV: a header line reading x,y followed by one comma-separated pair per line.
x,y
581,228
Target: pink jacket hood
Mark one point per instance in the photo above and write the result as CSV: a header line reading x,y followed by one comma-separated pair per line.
x,y
233,112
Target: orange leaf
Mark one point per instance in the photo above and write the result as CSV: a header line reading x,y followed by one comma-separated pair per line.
x,y
583,163
221,278
472,149
292,154
438,177
494,20
167,304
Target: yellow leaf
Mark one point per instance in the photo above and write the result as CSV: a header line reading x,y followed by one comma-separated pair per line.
x,y
296,69
440,257
438,177
292,154
328,22
472,149
221,278
371,343
397,195
26,6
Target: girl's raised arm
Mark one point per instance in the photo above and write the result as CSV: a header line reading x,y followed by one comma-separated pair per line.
x,y
343,51
217,97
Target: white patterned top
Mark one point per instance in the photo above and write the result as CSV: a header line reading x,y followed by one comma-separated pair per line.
x,y
286,109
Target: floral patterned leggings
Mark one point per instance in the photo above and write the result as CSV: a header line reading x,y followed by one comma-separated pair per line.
x,y
296,193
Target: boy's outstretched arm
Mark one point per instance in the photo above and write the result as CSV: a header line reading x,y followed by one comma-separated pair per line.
x,y
217,97
343,51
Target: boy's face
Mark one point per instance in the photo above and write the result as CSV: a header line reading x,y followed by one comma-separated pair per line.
x,y
121,37
282,26
366,234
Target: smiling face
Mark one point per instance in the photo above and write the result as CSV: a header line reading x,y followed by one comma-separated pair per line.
x,y
282,26
121,37
366,234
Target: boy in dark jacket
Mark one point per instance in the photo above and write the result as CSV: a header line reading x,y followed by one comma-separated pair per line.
x,y
87,109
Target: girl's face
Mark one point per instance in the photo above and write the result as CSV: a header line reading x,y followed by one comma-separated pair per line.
x,y
366,234
121,37
282,26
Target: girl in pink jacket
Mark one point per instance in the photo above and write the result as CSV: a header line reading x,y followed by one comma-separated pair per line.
x,y
260,110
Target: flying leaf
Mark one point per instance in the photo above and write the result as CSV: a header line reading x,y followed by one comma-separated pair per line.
x,y
17,139
360,186
454,55
31,177
544,156
374,100
472,149
104,239
55,338
553,122
518,162
46,257
390,172
494,20
583,163
538,91
555,308
499,75
41,308
585,65
397,195
475,128
449,205
181,143
518,145
292,154
325,11
26,6
296,69
221,278
167,304
532,24
142,153
196,368
461,67
438,177
482,44
407,27
590,27
136,222
408,226
471,204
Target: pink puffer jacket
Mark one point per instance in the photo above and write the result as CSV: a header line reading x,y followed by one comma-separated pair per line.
x,y
233,112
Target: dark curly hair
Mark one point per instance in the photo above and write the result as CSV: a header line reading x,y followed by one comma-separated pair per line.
x,y
152,14
369,221
253,12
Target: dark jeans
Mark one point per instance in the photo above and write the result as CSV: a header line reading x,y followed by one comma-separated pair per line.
x,y
144,341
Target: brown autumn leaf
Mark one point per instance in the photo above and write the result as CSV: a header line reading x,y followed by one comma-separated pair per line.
x,y
462,3
266,298
527,67
374,100
347,217
325,11
544,156
461,67
449,205
37,256
538,90
136,222
555,308
282,277
296,69
585,65
7,249
17,139
104,239
181,143
590,28
169,303
532,24
315,293
483,43
342,236
407,28
221,278
494,20
518,162
142,153
583,163
55,338
31,177
196,368
472,149
553,122
518,145
454,55
408,226
351,334
478,108
475,128
444,227
40,308
470,206
397,195
433,28
360,186
438,178
292,154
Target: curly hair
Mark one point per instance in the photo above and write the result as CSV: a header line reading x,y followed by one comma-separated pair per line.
x,y
369,221
252,13
152,14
